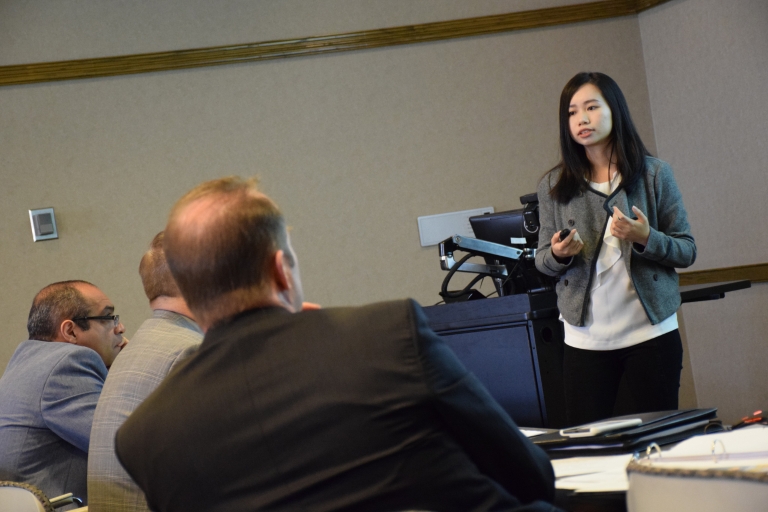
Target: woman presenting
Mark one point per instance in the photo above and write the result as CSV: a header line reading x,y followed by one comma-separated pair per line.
x,y
618,290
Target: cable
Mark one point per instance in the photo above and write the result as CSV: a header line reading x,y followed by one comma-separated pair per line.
x,y
510,274
455,295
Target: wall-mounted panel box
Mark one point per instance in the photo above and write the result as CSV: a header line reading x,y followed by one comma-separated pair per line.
x,y
43,224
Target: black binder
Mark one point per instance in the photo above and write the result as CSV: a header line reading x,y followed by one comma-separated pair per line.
x,y
663,427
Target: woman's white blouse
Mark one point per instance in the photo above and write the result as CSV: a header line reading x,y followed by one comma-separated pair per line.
x,y
615,317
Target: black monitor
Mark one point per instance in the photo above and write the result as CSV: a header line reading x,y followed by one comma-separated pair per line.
x,y
520,229
505,228
515,228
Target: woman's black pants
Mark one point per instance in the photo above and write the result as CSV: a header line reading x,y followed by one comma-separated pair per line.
x,y
651,370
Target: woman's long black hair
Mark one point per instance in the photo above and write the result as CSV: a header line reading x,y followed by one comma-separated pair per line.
x,y
626,145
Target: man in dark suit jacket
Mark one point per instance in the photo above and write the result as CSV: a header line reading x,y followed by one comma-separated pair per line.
x,y
360,409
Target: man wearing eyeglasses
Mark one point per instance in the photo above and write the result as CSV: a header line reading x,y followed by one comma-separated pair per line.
x,y
50,388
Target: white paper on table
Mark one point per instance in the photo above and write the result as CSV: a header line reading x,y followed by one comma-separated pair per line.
x,y
603,473
532,433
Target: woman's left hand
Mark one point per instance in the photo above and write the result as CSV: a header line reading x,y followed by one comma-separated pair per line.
x,y
635,231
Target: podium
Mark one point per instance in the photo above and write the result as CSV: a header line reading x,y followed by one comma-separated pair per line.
x,y
514,345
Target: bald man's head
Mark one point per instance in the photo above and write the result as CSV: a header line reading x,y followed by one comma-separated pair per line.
x,y
220,244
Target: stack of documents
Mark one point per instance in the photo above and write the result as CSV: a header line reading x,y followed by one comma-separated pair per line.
x,y
627,434
607,473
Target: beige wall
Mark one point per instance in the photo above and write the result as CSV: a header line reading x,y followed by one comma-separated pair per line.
x,y
356,146
51,30
707,68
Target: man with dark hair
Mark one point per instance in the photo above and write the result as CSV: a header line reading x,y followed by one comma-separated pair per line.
x,y
50,388
161,342
362,409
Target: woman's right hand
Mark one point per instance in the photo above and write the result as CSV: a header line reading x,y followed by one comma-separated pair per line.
x,y
568,247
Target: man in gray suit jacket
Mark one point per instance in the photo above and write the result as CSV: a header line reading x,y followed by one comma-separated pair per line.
x,y
345,409
161,342
50,388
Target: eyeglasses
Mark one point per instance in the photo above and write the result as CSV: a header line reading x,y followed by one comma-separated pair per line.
x,y
114,318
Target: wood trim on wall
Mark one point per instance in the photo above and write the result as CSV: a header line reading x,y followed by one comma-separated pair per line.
x,y
320,45
757,273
